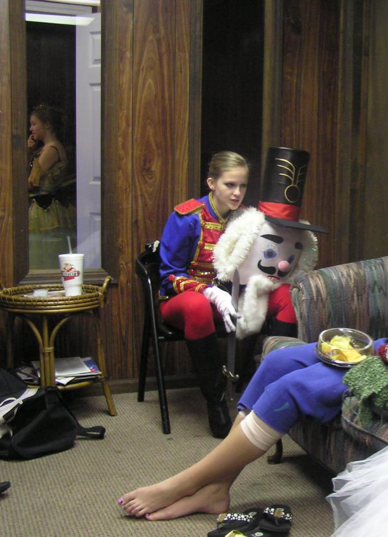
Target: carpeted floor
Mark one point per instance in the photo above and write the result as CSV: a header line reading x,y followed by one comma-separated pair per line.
x,y
74,493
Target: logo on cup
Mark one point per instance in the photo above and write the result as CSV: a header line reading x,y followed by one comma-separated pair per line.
x,y
69,272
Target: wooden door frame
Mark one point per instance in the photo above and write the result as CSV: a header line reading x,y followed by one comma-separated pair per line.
x,y
13,146
272,76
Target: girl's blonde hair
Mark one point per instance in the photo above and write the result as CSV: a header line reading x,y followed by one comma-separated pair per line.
x,y
223,161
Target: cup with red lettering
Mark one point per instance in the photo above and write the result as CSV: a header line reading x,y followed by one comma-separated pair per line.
x,y
72,272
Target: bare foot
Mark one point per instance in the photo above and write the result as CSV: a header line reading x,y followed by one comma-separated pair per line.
x,y
145,500
212,499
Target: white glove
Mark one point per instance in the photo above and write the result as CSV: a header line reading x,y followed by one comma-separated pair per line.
x,y
223,302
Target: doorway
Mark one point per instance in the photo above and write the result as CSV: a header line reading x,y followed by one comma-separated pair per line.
x,y
232,84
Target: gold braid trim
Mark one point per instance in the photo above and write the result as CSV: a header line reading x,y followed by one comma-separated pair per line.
x,y
222,220
180,283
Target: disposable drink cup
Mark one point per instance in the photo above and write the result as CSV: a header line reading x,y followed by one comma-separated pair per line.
x,y
72,272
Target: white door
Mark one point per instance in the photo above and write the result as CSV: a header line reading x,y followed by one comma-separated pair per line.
x,y
88,140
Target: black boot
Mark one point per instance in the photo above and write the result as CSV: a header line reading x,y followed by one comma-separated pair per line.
x,y
207,364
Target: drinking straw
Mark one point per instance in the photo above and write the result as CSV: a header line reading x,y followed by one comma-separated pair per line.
x,y
69,243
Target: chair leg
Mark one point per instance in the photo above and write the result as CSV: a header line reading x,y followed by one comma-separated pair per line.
x,y
161,387
143,361
276,458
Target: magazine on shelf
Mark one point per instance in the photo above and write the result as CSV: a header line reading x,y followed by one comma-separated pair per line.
x,y
70,369
27,374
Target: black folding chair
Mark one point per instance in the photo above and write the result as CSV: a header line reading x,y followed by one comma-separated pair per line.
x,y
147,268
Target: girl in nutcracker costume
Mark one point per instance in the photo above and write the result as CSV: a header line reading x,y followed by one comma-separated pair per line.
x,y
189,295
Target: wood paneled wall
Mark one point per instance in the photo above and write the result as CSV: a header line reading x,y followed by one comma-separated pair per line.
x,y
150,82
311,57
333,96
376,135
325,95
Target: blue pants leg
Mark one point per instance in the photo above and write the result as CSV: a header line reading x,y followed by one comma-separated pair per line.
x,y
274,366
291,384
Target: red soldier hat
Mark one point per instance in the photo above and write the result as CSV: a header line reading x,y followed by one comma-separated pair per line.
x,y
283,186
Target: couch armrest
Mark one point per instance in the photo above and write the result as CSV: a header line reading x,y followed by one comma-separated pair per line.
x,y
273,343
354,295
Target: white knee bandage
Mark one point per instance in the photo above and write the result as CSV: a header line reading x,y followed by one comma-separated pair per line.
x,y
244,413
258,432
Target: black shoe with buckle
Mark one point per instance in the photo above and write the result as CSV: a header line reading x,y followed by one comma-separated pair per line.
x,y
240,522
276,519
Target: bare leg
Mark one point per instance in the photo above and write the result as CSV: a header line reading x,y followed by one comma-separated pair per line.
x,y
228,458
213,498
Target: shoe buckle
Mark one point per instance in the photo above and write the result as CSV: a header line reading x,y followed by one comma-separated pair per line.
x,y
279,512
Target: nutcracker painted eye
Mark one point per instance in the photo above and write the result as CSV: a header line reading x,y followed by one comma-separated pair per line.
x,y
270,252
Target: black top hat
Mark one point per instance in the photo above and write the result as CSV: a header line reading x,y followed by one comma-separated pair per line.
x,y
283,185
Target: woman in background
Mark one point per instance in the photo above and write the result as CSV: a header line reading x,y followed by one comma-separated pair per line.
x,y
190,298
52,215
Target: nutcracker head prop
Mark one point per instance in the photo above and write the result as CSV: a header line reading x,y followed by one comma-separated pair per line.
x,y
271,241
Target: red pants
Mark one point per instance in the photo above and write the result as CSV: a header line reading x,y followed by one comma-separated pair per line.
x,y
280,305
195,315
191,312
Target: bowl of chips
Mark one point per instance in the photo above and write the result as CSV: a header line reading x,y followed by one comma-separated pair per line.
x,y
344,347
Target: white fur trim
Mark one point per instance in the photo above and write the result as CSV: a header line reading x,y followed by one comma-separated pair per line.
x,y
253,305
234,245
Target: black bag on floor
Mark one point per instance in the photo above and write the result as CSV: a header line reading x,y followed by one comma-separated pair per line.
x,y
36,422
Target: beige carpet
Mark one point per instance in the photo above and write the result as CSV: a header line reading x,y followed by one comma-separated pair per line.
x,y
74,493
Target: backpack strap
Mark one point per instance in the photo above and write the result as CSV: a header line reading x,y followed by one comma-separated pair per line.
x,y
98,431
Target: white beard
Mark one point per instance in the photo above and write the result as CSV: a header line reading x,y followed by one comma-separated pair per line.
x,y
253,305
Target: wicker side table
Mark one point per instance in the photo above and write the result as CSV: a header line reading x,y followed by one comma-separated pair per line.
x,y
35,312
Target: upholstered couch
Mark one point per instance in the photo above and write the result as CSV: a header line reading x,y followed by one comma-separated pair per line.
x,y
353,295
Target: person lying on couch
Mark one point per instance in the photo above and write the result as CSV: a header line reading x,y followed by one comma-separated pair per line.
x,y
290,385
